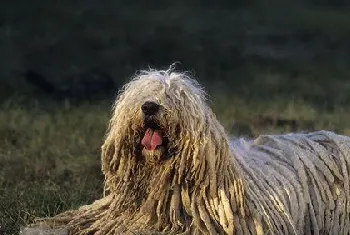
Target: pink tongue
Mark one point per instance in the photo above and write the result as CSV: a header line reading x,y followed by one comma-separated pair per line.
x,y
152,139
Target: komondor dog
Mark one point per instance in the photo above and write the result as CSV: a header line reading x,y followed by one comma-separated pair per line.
x,y
170,168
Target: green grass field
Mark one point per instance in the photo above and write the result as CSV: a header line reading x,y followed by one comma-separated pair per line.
x,y
282,61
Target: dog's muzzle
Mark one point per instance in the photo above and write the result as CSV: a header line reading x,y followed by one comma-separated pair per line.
x,y
152,138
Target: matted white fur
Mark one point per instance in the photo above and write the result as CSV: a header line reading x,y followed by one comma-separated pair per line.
x,y
198,182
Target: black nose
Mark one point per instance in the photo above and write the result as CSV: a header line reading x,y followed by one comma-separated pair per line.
x,y
150,108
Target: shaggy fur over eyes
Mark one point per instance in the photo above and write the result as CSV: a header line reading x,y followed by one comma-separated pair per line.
x,y
191,179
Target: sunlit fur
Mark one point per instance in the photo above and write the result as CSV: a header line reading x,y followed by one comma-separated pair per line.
x,y
199,150
201,183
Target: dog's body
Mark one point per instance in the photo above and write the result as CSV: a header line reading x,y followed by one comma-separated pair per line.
x,y
171,169
298,182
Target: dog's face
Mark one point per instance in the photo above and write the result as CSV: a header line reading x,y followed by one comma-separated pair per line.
x,y
164,109
161,130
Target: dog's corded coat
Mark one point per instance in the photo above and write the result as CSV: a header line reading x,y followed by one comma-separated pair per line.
x,y
206,184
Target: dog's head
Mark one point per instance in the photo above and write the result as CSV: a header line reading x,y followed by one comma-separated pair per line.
x,y
161,118
158,109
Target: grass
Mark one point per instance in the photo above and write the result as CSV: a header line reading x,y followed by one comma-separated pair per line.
x,y
49,160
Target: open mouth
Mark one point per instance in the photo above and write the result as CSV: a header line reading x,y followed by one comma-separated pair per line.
x,y
153,136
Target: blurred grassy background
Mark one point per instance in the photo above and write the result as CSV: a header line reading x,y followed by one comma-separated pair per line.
x,y
268,66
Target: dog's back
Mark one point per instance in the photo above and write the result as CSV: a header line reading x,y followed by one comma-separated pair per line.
x,y
298,183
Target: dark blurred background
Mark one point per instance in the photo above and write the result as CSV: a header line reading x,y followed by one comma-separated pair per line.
x,y
234,43
269,67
